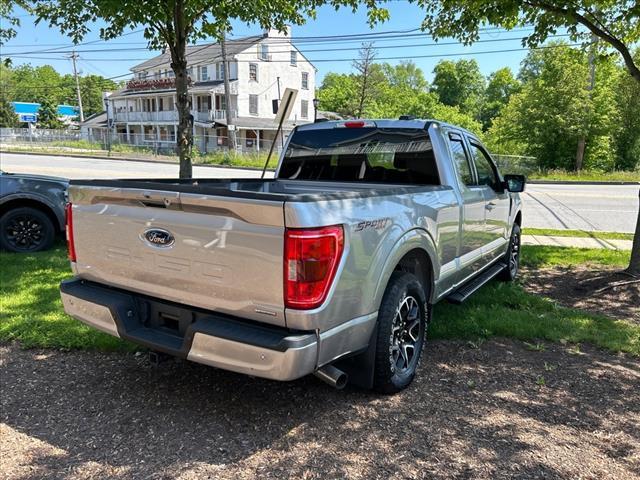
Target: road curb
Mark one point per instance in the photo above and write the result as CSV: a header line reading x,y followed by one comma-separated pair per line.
x,y
579,182
128,159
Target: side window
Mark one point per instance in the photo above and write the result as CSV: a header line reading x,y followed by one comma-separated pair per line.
x,y
484,166
461,159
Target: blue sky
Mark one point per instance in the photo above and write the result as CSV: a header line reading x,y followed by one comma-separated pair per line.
x,y
404,16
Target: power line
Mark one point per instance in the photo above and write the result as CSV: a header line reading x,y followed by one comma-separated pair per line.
x,y
378,36
488,40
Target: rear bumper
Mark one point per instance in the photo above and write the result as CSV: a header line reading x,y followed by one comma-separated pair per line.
x,y
204,337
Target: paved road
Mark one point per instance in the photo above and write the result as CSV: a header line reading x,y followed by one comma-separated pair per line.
x,y
585,207
73,167
612,208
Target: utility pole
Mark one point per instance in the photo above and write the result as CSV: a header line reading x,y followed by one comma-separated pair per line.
x,y
74,56
231,132
582,141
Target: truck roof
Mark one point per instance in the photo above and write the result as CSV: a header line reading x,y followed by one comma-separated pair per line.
x,y
382,123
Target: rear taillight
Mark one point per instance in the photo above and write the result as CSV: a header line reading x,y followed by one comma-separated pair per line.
x,y
69,223
311,258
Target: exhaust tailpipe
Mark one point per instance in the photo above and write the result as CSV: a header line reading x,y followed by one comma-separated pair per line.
x,y
332,376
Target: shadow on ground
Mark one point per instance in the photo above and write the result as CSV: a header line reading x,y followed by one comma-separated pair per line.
x,y
498,411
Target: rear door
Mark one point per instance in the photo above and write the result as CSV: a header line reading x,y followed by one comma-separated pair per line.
x,y
472,229
218,253
497,200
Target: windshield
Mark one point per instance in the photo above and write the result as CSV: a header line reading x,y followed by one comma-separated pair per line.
x,y
371,154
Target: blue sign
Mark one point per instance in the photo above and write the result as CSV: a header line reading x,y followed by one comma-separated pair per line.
x,y
28,118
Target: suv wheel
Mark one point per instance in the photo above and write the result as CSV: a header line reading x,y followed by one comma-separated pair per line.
x,y
512,257
26,229
402,323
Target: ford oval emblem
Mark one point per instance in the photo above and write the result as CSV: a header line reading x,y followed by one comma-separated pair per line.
x,y
159,237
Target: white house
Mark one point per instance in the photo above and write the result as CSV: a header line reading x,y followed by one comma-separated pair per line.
x,y
261,67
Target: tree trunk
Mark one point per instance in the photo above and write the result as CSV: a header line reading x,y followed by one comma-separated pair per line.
x,y
184,135
634,264
580,153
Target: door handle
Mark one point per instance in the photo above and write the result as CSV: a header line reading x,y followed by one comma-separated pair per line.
x,y
490,205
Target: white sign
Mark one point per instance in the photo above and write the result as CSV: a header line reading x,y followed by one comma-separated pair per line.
x,y
286,105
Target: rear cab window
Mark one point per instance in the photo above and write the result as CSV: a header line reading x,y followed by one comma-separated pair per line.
x,y
369,154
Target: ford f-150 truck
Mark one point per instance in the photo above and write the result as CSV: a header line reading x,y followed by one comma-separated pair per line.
x,y
331,267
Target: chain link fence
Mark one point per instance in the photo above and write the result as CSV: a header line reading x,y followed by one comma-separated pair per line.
x,y
152,143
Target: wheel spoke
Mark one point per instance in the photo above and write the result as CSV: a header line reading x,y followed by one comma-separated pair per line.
x,y
414,330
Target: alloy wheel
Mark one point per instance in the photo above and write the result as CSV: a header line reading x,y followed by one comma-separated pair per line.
x,y
405,335
24,232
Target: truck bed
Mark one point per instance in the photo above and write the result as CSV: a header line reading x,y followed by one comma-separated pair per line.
x,y
262,189
227,247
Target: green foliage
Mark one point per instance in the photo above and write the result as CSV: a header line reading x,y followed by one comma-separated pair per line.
x,y
501,86
460,84
627,137
8,117
614,22
48,115
395,90
25,83
555,108
8,20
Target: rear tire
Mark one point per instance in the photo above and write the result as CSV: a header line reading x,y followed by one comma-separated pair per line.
x,y
512,257
26,230
402,324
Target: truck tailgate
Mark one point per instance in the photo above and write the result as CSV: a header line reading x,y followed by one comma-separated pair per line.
x,y
220,253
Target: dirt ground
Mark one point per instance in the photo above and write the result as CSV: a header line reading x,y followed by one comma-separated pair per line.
x,y
587,289
498,411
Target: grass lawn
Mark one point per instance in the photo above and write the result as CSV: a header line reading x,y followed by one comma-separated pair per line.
x,y
577,233
585,176
32,312
31,309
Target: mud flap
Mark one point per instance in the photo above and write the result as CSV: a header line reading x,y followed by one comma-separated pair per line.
x,y
360,367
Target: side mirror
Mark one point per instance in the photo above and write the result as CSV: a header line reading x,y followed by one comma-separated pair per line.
x,y
514,183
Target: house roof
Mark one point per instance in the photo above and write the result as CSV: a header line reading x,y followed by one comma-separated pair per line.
x,y
202,53
95,120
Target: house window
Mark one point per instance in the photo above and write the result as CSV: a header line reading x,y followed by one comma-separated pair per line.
x,y
264,51
253,104
203,73
220,71
221,102
171,74
305,81
304,108
294,58
190,72
253,72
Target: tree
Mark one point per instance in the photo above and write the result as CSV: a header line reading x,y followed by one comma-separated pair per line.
x,y
48,115
615,23
172,24
8,117
338,93
368,77
459,84
627,137
9,21
91,88
501,85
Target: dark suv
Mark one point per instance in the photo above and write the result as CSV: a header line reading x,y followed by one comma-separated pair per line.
x,y
31,211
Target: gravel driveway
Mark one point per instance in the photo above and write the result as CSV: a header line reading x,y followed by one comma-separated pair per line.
x,y
498,411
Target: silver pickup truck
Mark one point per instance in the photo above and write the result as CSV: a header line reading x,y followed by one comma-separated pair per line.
x,y
330,268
